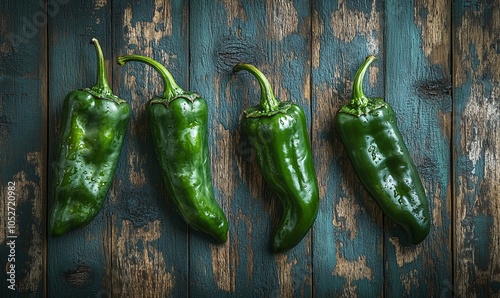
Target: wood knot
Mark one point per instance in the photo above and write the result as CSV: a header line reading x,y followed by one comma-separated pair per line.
x,y
78,276
232,50
434,90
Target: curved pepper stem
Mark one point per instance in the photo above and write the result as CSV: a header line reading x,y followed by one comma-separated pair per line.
x,y
267,100
359,103
358,98
171,87
102,87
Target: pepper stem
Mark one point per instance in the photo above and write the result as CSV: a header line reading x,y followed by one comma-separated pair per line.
x,y
267,100
102,86
358,98
171,87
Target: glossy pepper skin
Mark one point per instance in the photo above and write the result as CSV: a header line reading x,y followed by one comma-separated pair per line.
x,y
178,124
382,162
93,126
278,133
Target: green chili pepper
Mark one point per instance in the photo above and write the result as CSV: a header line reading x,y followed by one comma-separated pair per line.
x,y
93,126
277,131
368,129
178,123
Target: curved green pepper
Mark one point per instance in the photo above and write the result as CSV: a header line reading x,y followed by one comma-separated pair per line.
x,y
178,123
93,127
379,155
277,131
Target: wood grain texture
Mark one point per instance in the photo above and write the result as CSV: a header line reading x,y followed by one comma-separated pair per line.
x,y
438,66
476,91
149,240
417,85
76,262
247,33
348,234
23,148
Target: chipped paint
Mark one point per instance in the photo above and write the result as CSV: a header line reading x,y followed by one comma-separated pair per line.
x,y
435,34
437,209
98,4
405,254
142,32
477,47
136,169
234,10
222,262
247,243
285,279
222,161
351,270
28,191
345,215
282,19
317,29
347,24
410,281
478,204
137,260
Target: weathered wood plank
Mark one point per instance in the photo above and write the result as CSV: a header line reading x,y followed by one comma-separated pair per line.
x,y
76,262
273,35
23,142
417,42
148,239
476,91
348,235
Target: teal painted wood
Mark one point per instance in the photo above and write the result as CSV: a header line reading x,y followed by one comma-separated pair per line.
x,y
418,88
222,34
349,232
476,86
310,52
23,132
77,261
149,242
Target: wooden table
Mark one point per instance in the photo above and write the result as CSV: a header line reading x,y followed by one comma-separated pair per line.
x,y
438,66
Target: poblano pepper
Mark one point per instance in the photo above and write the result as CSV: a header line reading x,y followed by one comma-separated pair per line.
x,y
379,155
178,123
278,133
93,127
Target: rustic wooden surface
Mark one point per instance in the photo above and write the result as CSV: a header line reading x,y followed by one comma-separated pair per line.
x,y
438,66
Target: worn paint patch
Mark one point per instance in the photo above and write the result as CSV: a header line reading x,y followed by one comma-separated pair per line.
x,y
245,226
136,173
143,32
28,192
34,274
285,279
477,195
347,24
98,4
323,122
405,254
433,18
410,281
222,262
317,29
234,10
345,215
222,161
138,260
478,46
351,270
282,19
